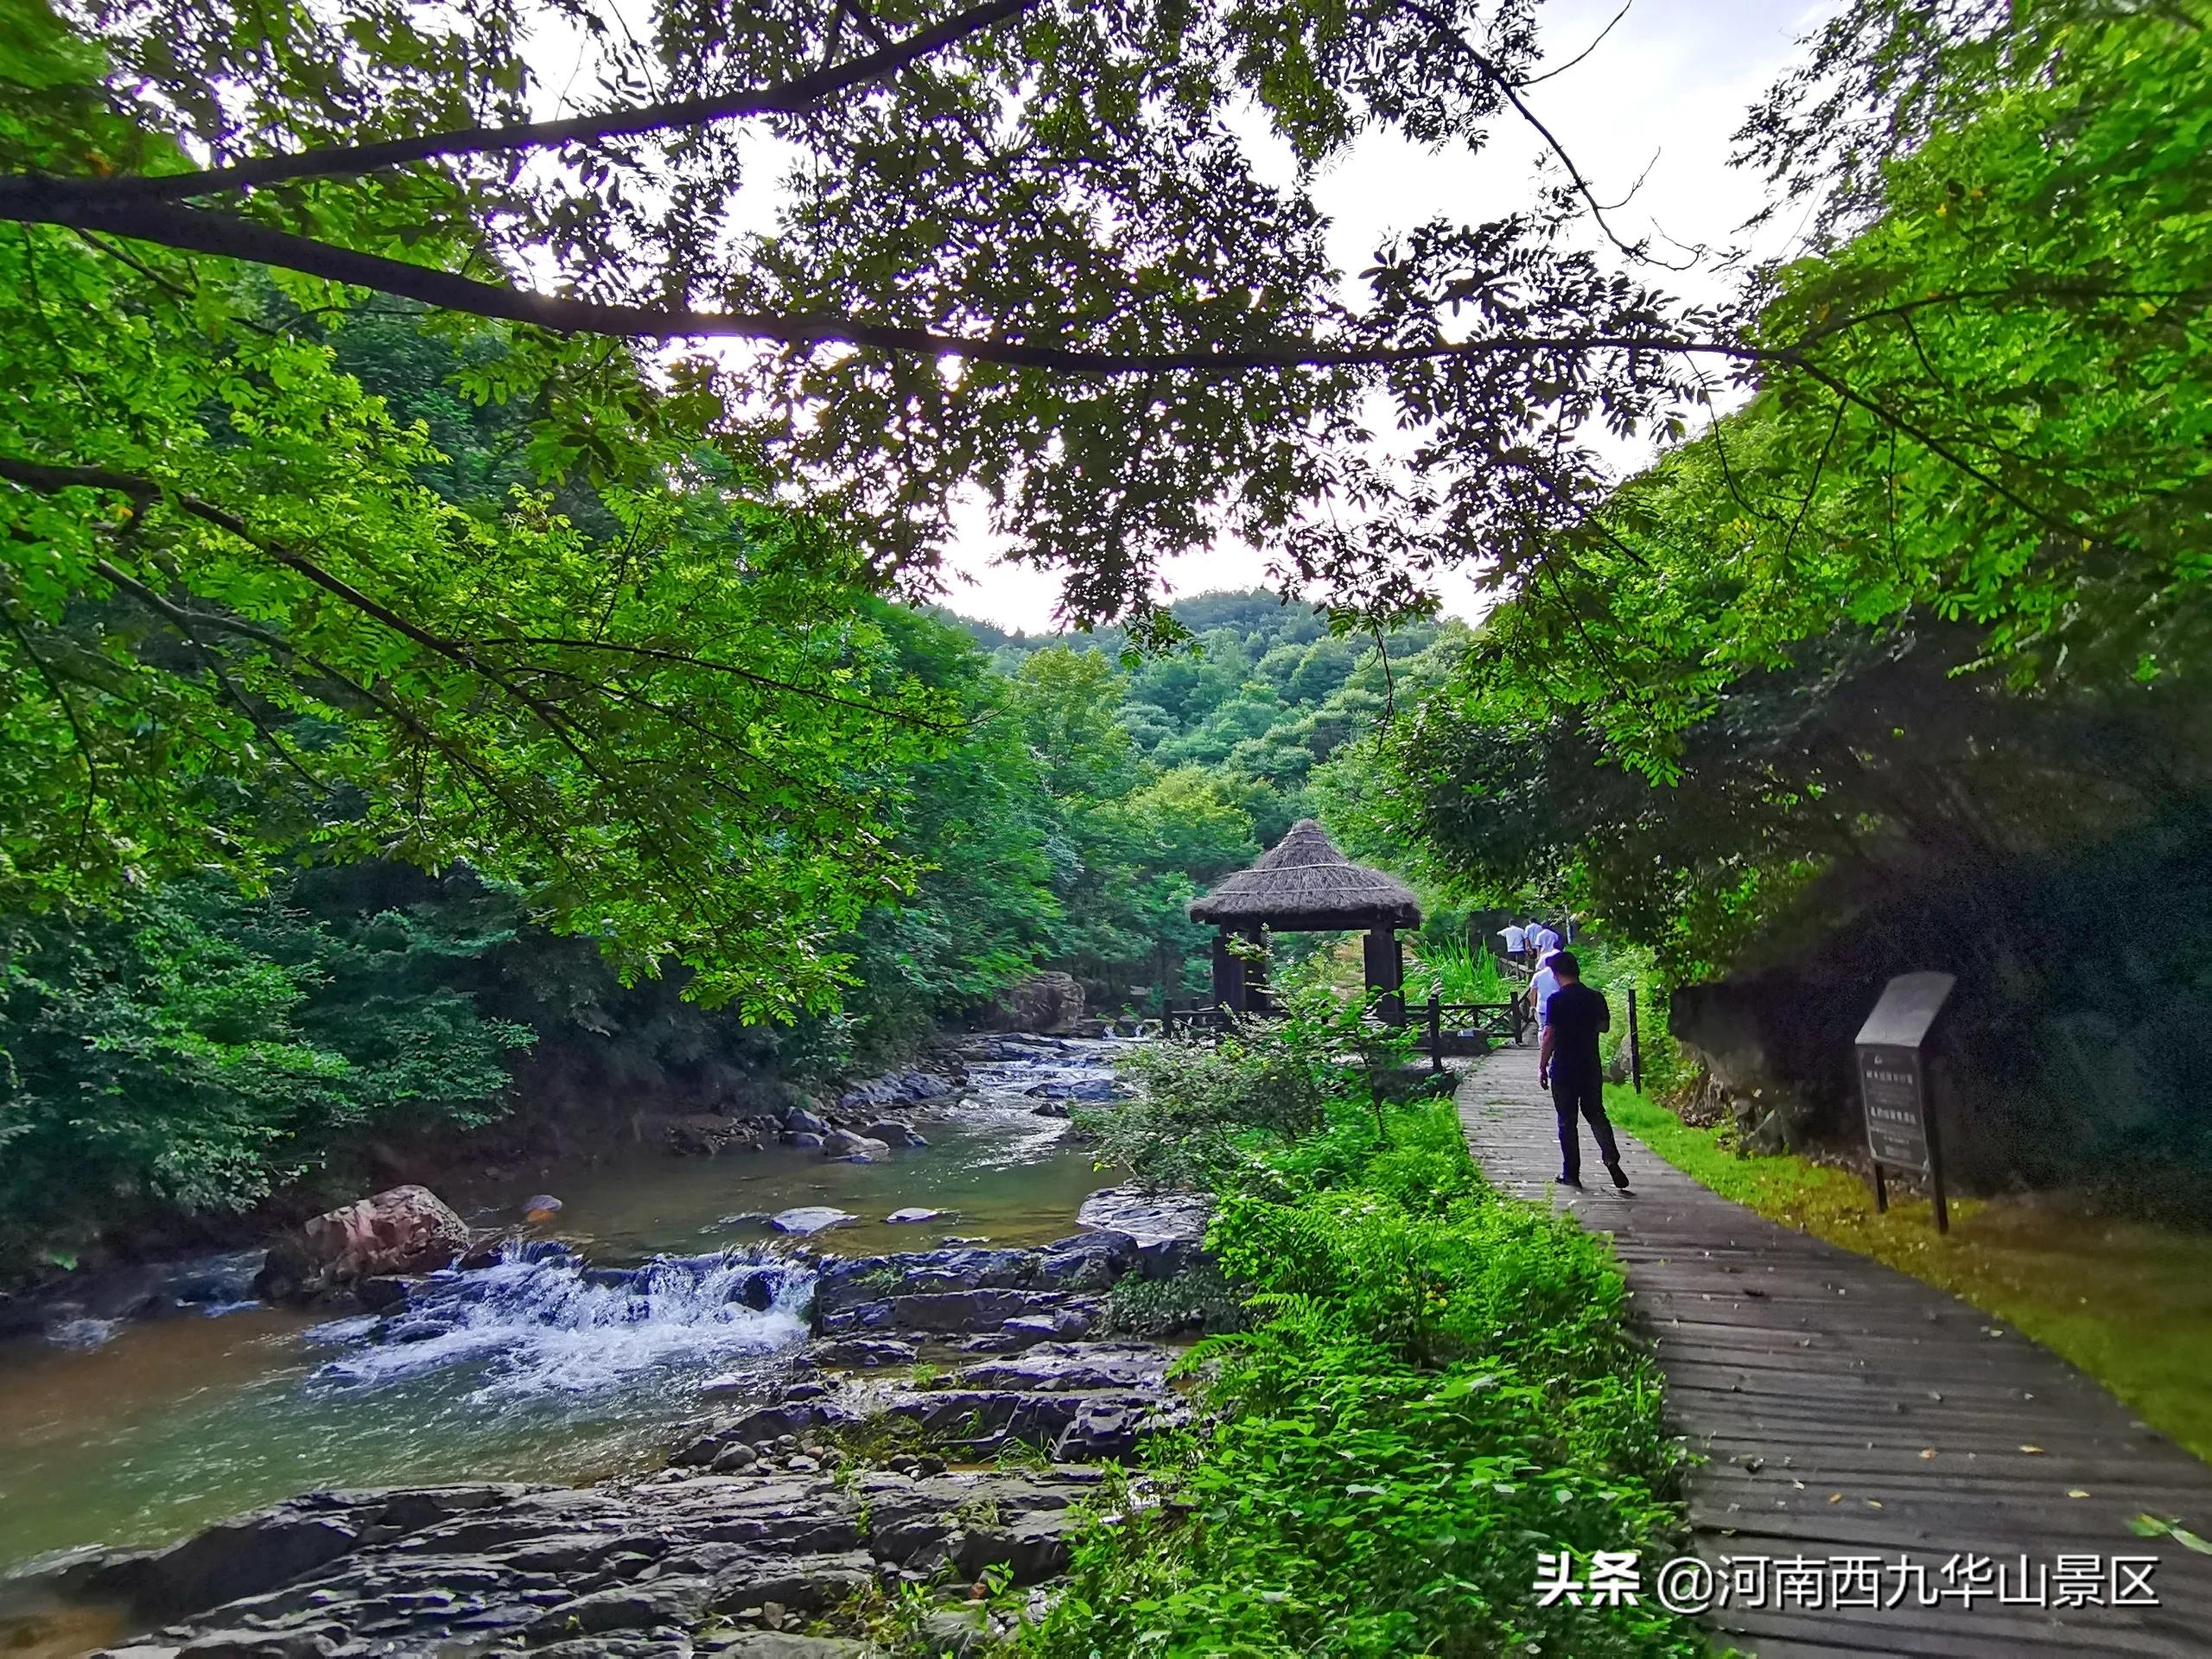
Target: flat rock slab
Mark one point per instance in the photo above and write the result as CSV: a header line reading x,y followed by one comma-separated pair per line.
x,y
944,1313
1844,1409
1061,1367
1168,1229
600,1571
864,1353
810,1219
1147,1217
1085,1427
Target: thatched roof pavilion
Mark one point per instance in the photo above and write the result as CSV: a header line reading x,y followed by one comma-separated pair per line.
x,y
1304,885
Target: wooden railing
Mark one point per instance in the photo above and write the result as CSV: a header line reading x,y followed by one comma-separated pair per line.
x,y
1444,1028
1469,1028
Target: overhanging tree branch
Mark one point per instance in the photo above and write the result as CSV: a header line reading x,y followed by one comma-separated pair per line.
x,y
350,161
654,654
227,236
184,621
466,653
466,767
1510,90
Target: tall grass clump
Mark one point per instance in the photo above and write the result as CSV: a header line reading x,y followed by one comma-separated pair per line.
x,y
1459,973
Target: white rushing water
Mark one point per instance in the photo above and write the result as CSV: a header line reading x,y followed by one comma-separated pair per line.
x,y
539,1324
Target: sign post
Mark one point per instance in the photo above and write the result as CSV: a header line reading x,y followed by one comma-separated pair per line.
x,y
1893,1085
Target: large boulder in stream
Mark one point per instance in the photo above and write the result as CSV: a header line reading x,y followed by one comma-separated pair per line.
x,y
1168,1229
1044,1002
854,1148
404,1229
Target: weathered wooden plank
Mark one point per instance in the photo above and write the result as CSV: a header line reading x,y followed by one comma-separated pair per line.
x,y
1798,1370
1947,1634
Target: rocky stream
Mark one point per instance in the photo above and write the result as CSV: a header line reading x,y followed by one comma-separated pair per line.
x,y
806,1431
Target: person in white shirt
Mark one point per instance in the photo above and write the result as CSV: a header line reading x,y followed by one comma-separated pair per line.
x,y
1540,994
1516,940
1541,941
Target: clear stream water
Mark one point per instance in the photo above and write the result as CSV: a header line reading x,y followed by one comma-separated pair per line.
x,y
539,1369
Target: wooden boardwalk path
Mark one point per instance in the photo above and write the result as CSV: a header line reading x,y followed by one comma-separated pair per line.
x,y
1846,1410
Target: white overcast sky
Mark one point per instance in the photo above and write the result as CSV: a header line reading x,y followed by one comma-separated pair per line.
x,y
1673,78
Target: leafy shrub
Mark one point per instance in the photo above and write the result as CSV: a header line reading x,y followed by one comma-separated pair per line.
x,y
1203,1109
1198,1299
1197,1105
1436,1387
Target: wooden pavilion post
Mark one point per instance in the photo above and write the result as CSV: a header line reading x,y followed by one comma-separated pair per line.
x,y
1256,996
1229,987
1386,972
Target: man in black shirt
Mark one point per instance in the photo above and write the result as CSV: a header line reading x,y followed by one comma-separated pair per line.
x,y
1568,1065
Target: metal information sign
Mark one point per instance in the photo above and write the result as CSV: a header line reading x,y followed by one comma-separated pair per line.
x,y
1893,1084
1890,1086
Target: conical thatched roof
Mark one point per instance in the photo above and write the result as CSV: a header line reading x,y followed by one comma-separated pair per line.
x,y
1305,884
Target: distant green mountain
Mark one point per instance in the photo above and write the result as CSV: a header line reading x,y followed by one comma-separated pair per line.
x,y
1262,692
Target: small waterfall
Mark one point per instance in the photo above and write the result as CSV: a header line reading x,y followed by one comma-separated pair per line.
x,y
542,1321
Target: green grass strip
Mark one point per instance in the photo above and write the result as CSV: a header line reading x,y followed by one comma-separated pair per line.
x,y
2128,1302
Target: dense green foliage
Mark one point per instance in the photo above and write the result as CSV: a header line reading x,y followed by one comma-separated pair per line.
x,y
196,1050
1458,972
1166,772
1437,1386
1046,832
246,621
1815,660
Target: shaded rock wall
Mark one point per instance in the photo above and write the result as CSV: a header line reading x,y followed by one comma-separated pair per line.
x,y
2078,1045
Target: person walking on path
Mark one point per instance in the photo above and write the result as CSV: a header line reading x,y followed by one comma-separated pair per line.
x,y
1566,1063
1541,942
1542,984
1516,940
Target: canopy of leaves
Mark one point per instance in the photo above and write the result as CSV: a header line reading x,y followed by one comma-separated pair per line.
x,y
1033,248
241,622
1818,651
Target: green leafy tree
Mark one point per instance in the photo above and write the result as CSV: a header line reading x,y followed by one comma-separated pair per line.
x,y
238,624
202,1049
983,911
1815,657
